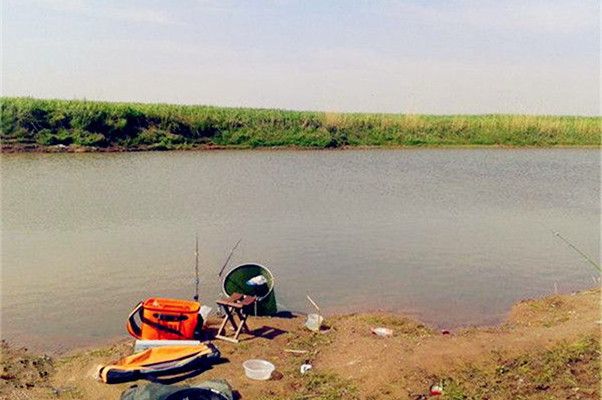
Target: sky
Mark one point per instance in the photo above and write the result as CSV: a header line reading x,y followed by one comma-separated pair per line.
x,y
430,57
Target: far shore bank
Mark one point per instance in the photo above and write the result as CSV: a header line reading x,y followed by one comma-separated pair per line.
x,y
17,149
37,125
546,348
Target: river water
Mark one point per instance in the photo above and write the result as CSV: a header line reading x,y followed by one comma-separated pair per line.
x,y
450,236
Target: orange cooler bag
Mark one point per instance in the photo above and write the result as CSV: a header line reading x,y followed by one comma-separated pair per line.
x,y
165,319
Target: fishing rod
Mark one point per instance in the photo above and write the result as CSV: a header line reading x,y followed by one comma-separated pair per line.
x,y
196,266
221,271
572,246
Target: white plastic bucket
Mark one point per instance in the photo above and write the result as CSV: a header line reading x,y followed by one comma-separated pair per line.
x,y
259,370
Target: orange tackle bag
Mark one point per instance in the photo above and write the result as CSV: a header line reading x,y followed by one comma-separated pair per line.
x,y
165,319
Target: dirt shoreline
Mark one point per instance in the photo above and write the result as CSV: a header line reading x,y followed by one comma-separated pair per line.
x,y
34,148
546,349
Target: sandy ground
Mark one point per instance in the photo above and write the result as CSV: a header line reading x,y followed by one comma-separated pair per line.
x,y
547,349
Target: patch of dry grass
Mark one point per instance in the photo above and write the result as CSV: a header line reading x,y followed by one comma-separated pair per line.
x,y
570,370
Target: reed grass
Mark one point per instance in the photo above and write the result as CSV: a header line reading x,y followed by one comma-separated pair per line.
x,y
41,123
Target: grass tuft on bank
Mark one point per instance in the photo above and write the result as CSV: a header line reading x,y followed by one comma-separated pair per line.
x,y
569,370
30,124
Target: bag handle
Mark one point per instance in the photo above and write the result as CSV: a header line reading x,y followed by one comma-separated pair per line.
x,y
131,325
160,327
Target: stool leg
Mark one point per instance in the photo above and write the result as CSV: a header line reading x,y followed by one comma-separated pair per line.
x,y
243,320
232,320
228,317
222,326
243,324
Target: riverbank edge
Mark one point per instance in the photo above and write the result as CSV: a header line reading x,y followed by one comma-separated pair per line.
x,y
343,315
16,149
555,331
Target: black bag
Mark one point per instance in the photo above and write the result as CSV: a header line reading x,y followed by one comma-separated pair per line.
x,y
217,389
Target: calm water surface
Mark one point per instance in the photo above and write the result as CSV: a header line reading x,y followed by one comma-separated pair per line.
x,y
452,236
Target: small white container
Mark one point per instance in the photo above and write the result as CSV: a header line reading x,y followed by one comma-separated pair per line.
x,y
259,370
314,322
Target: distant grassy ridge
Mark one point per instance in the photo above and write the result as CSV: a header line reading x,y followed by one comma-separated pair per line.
x,y
34,124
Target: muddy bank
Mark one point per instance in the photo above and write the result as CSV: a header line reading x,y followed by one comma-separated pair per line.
x,y
547,348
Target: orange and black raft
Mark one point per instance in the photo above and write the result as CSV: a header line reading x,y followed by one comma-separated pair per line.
x,y
165,319
161,362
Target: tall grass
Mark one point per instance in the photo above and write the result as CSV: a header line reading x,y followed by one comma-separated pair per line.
x,y
40,123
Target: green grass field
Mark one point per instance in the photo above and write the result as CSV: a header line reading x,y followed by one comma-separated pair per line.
x,y
34,124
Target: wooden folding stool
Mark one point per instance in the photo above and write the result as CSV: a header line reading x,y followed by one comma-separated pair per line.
x,y
235,305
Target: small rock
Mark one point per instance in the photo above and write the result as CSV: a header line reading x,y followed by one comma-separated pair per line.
x,y
276,376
